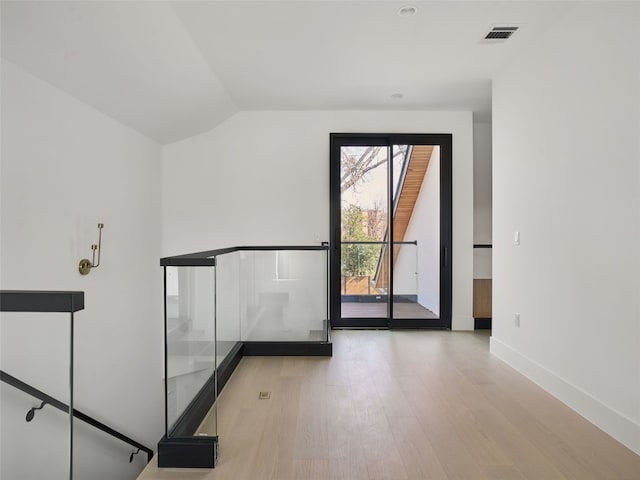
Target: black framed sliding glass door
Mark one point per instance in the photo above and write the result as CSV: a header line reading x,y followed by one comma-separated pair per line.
x,y
391,230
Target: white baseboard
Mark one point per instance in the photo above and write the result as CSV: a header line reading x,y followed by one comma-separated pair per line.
x,y
620,427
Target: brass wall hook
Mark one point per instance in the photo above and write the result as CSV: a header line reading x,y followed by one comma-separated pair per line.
x,y
85,266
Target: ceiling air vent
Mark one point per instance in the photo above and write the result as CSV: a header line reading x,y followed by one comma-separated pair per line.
x,y
500,33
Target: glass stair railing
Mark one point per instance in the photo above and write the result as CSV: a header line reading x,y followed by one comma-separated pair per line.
x,y
219,306
41,436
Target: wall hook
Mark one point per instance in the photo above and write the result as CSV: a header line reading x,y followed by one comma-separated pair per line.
x,y
132,454
32,411
85,266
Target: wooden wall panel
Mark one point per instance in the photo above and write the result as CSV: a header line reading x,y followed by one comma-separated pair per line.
x,y
482,298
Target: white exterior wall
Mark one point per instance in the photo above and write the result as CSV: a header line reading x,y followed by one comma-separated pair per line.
x,y
566,175
262,178
66,167
424,227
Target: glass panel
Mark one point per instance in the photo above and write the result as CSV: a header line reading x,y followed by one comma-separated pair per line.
x,y
227,303
364,173
209,425
416,217
191,346
416,292
35,350
364,280
283,295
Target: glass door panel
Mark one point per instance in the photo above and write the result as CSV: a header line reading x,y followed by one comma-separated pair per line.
x,y
416,292
416,234
364,212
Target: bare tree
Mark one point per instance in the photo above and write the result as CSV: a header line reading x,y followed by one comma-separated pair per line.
x,y
376,220
356,167
356,164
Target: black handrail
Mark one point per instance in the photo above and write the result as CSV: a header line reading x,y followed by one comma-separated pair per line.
x,y
44,301
207,257
54,402
408,242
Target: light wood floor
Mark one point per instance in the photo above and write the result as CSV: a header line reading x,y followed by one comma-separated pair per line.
x,y
402,405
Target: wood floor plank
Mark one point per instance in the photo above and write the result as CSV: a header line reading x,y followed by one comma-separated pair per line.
x,y
382,455
603,454
529,460
545,440
239,449
311,469
278,435
502,472
452,402
311,438
455,459
293,366
391,395
346,456
420,459
348,468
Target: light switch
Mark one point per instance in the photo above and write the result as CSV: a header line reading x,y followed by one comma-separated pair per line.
x,y
516,238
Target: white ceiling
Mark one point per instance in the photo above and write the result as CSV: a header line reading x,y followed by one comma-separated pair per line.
x,y
175,69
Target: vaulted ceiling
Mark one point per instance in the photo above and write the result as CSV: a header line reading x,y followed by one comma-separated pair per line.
x,y
172,70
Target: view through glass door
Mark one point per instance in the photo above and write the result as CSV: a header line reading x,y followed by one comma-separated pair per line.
x,y
364,207
387,251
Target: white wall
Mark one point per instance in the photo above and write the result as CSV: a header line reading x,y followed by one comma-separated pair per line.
x,y
66,167
263,178
424,227
482,182
566,123
482,198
